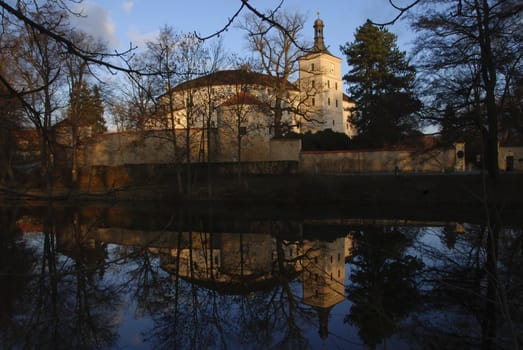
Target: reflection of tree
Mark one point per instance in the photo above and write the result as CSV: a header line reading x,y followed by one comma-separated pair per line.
x,y
16,261
383,288
464,308
65,305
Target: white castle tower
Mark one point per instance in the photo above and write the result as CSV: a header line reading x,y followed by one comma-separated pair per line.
x,y
321,84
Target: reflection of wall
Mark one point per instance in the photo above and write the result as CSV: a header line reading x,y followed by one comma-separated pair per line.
x,y
247,254
205,263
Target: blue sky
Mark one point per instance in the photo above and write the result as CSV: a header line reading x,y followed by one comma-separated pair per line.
x,y
121,22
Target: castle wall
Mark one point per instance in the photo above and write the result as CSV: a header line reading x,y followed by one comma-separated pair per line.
x,y
360,161
285,149
151,147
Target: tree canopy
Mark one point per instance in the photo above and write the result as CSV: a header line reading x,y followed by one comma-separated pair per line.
x,y
381,82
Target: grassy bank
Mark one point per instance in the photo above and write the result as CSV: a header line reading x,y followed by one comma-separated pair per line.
x,y
422,189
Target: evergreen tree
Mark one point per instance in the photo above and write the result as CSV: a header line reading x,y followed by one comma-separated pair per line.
x,y
90,108
381,83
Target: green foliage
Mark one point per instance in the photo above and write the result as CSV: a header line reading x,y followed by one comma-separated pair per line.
x,y
322,140
381,83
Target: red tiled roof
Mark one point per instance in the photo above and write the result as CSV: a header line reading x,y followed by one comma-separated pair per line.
x,y
347,98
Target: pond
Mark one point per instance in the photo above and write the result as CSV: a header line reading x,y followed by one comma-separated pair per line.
x,y
159,276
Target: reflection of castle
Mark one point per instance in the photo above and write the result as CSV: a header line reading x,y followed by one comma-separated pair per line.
x,y
242,263
229,260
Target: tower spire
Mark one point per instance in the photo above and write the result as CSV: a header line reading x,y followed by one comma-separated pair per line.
x,y
319,44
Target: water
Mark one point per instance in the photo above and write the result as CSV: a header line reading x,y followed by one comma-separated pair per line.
x,y
159,277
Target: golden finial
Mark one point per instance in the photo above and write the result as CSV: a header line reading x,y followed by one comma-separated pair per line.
x,y
318,12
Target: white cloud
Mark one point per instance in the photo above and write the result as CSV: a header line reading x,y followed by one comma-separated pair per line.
x,y
140,39
97,22
128,6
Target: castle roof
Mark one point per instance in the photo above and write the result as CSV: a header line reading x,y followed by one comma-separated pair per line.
x,y
242,98
233,77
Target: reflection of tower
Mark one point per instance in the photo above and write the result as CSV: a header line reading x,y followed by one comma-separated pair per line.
x,y
324,278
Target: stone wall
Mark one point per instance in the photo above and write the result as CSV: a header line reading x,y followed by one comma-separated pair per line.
x,y
156,147
362,161
152,147
285,149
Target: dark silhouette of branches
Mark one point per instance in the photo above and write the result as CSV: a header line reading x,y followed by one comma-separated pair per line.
x,y
98,58
270,18
401,11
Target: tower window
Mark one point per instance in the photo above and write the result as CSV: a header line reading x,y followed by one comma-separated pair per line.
x,y
313,101
336,102
329,84
312,67
313,84
329,101
333,123
336,85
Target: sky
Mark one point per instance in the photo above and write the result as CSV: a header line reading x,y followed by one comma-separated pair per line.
x,y
122,23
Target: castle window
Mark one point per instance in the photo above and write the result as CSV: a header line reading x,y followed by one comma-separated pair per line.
x,y
329,101
313,83
333,123
336,85
329,84
313,101
336,103
312,67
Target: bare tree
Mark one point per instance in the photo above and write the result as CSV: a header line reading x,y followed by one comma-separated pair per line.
x,y
78,74
241,116
39,70
278,52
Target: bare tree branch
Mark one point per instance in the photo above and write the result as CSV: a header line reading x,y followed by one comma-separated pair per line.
x,y
401,11
96,58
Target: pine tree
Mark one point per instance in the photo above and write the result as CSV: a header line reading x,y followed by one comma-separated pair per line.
x,y
90,108
381,83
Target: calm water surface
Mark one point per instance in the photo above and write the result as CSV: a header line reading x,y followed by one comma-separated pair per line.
x,y
93,277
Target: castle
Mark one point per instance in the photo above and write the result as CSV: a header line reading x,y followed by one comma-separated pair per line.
x,y
244,110
239,115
